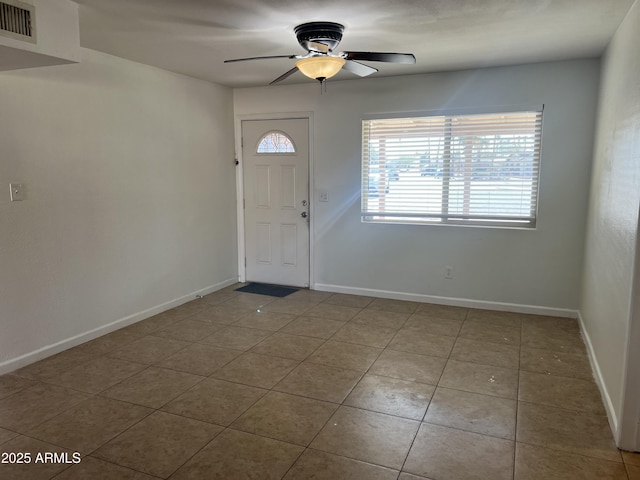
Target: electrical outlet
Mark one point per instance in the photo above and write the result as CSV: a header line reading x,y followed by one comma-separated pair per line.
x,y
16,191
324,196
448,272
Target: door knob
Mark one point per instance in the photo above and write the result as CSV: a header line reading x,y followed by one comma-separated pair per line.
x,y
304,214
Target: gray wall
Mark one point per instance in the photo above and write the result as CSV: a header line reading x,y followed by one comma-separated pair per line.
x,y
611,260
129,176
540,268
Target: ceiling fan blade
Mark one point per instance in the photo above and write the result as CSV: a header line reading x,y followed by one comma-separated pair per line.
x,y
380,57
259,58
285,75
358,68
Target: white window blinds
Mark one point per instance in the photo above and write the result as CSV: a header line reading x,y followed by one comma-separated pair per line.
x,y
480,169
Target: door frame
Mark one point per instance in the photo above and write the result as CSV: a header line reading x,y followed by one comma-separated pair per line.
x,y
242,272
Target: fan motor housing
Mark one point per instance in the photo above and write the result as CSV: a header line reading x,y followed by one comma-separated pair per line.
x,y
327,33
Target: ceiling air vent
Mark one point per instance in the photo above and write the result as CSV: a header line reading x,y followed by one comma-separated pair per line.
x,y
17,20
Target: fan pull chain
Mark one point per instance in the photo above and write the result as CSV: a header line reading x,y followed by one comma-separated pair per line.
x,y
323,83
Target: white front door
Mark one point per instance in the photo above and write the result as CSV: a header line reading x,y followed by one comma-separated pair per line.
x,y
276,200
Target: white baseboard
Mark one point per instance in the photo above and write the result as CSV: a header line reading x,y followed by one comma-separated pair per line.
x,y
595,367
44,352
452,301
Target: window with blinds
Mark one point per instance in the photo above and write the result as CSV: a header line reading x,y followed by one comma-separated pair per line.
x,y
479,169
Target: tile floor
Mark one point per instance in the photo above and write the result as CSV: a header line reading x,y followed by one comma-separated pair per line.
x,y
316,385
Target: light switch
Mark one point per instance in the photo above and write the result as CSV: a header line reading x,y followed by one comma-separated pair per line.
x,y
17,192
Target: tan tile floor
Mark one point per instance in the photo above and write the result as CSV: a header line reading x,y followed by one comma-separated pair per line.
x,y
317,385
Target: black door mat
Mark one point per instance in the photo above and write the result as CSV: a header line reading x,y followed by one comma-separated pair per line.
x,y
266,289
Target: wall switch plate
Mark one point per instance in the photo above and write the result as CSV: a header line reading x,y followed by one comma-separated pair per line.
x,y
324,196
16,192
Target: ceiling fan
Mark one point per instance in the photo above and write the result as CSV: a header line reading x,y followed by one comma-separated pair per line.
x,y
319,39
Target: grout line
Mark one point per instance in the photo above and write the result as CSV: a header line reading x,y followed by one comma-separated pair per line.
x,y
460,429
569,452
457,389
200,449
515,430
413,440
358,460
415,436
583,412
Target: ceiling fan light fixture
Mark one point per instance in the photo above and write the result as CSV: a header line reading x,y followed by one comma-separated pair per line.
x,y
320,68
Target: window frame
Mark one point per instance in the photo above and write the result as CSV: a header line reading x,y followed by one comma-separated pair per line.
x,y
425,218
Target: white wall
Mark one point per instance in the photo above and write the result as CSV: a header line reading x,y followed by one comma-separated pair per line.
x,y
129,179
539,268
612,235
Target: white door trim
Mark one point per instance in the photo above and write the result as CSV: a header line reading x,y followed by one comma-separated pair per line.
x,y
240,187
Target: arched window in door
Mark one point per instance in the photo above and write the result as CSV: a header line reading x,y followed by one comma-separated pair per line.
x,y
276,142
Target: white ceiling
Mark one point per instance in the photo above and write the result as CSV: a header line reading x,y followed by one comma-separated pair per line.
x,y
194,37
